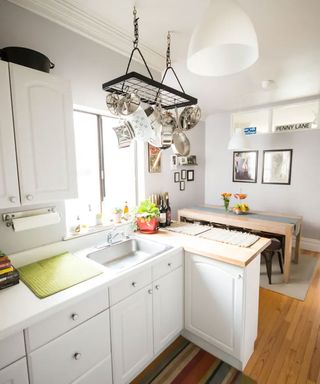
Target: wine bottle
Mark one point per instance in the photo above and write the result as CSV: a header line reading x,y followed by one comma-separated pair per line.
x,y
163,213
168,213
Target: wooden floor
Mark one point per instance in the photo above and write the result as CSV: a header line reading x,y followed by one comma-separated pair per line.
x,y
288,344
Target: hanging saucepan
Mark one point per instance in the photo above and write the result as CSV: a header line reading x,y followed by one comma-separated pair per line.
x,y
180,142
112,102
189,117
129,104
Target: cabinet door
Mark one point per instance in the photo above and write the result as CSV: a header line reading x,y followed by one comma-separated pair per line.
x,y
15,373
167,309
213,300
9,187
131,335
42,110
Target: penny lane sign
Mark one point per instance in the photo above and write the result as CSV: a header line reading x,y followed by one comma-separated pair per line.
x,y
293,127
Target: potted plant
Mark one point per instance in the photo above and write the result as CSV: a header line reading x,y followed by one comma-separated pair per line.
x,y
117,212
147,217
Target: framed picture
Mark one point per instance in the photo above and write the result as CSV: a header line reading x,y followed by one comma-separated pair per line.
x,y
192,160
245,165
277,164
173,161
176,177
183,175
183,160
154,159
190,175
182,185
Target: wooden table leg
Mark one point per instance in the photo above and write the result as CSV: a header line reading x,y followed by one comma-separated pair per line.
x,y
297,248
287,257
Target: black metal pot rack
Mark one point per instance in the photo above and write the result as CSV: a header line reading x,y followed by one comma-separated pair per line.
x,y
149,90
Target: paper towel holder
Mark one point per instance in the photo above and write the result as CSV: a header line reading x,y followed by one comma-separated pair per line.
x,y
8,217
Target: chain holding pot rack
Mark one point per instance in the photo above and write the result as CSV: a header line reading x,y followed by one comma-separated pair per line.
x,y
149,90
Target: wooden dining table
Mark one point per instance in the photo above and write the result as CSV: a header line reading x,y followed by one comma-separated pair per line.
x,y
285,225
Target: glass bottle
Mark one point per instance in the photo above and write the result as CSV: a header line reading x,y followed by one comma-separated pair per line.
x,y
163,213
168,213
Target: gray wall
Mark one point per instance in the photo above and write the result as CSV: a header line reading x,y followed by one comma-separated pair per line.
x,y
87,65
299,198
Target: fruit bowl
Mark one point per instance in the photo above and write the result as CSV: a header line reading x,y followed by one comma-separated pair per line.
x,y
241,209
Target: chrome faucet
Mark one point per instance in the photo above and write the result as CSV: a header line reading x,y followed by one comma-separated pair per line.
x,y
111,236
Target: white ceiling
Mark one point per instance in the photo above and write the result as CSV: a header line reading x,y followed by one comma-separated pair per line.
x,y
288,33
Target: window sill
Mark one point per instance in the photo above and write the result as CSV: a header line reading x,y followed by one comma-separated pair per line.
x,y
96,229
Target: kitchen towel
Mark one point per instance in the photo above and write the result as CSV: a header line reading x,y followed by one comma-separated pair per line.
x,y
36,221
52,275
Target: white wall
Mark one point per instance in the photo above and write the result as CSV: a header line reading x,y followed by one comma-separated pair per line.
x,y
164,182
300,198
87,65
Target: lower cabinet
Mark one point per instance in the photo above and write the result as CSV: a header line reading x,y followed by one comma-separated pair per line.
x,y
144,324
167,309
69,357
15,373
221,307
131,335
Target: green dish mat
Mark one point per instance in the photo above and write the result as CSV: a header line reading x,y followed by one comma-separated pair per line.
x,y
52,275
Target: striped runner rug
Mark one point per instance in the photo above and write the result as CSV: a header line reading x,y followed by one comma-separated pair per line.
x,y
185,363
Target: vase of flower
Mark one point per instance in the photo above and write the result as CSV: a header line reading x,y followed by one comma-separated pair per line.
x,y
226,200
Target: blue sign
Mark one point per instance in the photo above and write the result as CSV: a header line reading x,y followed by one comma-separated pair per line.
x,y
250,131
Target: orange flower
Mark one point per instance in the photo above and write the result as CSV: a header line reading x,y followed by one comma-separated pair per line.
x,y
226,195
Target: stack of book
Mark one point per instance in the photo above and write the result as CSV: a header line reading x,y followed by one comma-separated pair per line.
x,y
8,274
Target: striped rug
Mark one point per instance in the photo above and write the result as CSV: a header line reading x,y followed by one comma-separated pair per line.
x,y
185,363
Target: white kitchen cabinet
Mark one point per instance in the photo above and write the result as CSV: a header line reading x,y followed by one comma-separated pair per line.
x,y
73,354
167,309
37,150
15,373
43,122
131,335
9,187
221,307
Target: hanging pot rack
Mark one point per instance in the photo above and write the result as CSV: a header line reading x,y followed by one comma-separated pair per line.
x,y
149,90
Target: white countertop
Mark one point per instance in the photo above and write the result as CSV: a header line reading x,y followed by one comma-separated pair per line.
x,y
20,308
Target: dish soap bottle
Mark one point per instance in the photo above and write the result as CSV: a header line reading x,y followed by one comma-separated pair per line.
x,y
126,211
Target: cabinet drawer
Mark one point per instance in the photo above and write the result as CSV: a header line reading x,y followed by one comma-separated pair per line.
x,y
11,349
167,264
73,354
129,285
99,374
54,326
15,373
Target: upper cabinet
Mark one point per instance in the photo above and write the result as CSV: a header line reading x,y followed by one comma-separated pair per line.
x,y
42,128
9,187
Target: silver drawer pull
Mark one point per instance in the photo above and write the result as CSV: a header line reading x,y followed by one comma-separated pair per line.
x,y
169,264
29,197
150,291
77,356
157,286
75,316
134,284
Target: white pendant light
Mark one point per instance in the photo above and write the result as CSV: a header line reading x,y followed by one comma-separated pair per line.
x,y
239,141
224,41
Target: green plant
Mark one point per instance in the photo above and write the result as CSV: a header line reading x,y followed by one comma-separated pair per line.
x,y
147,209
117,210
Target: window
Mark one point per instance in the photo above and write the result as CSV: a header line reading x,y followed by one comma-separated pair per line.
x,y
106,174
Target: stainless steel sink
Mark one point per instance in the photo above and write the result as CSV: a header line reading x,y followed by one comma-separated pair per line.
x,y
127,253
